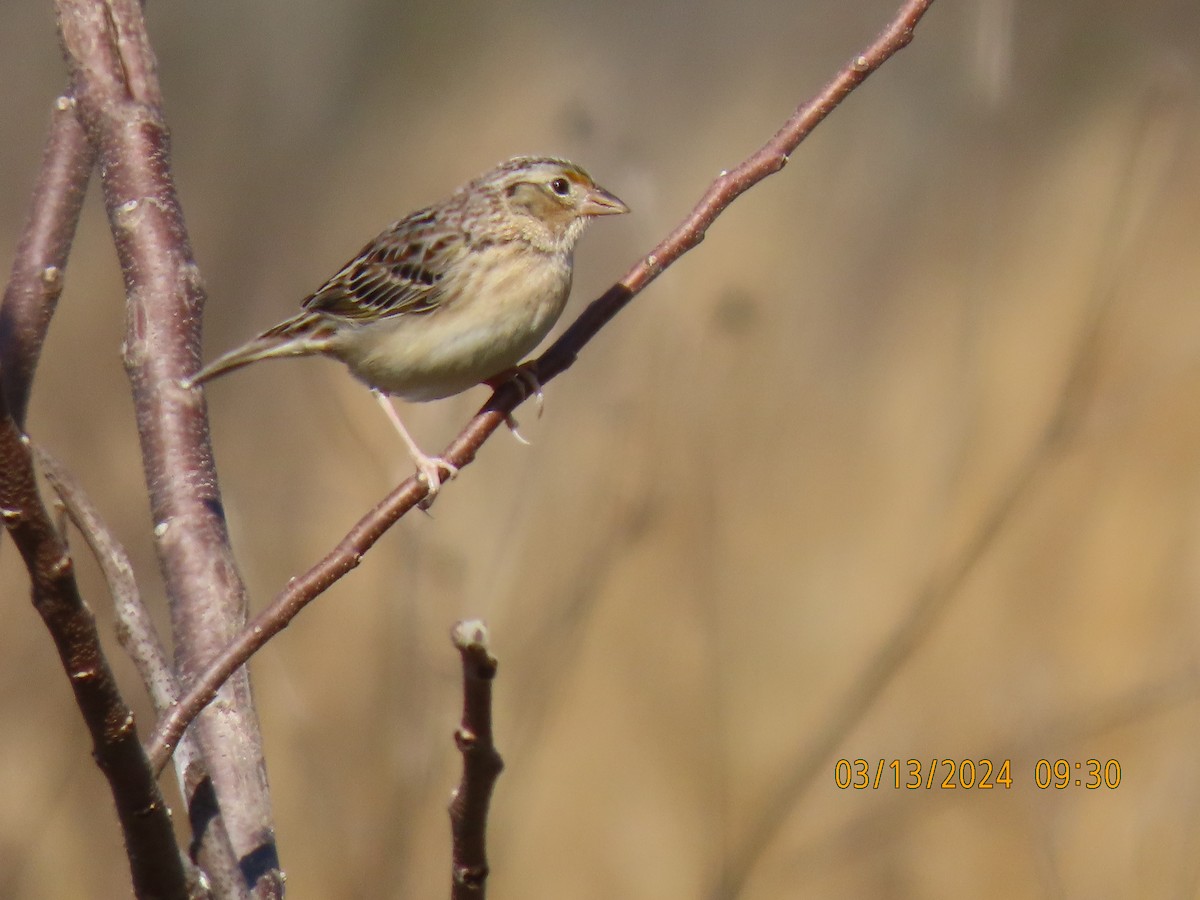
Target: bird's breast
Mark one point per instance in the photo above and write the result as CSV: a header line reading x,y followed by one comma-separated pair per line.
x,y
490,316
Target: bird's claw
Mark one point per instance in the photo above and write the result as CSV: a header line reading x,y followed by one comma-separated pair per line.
x,y
429,470
533,387
515,427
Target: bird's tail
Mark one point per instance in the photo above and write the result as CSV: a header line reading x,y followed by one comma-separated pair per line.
x,y
303,335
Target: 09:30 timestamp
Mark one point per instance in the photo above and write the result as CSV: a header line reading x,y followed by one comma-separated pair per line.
x,y
972,774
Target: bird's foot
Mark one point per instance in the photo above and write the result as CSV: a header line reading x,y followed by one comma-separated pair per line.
x,y
429,469
530,385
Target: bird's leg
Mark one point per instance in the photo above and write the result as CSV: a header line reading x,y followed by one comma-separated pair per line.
x,y
530,387
428,466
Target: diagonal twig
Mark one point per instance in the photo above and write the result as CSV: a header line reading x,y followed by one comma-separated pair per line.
x,y
135,629
728,186
1142,175
145,820
137,634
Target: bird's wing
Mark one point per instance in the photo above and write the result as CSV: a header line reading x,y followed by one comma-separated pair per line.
x,y
401,272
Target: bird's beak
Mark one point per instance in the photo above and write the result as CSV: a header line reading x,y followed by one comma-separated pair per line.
x,y
600,202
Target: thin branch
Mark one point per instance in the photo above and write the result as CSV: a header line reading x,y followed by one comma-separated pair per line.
x,y
36,281
30,298
119,102
557,359
1142,175
135,629
145,820
211,847
482,765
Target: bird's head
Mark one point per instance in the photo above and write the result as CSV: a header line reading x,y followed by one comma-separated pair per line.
x,y
546,201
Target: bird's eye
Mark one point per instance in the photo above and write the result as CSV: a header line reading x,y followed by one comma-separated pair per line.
x,y
560,186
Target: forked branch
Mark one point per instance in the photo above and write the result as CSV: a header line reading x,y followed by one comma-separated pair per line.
x,y
113,73
149,838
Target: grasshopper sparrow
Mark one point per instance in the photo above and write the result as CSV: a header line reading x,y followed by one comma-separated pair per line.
x,y
451,295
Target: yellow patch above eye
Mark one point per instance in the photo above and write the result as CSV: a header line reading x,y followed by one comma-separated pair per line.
x,y
577,177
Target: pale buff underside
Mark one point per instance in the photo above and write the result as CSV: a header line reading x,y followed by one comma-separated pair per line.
x,y
496,319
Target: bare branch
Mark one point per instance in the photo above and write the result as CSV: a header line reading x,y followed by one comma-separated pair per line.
x,y
558,358
728,186
135,630
276,616
942,587
119,102
481,763
37,274
30,299
145,820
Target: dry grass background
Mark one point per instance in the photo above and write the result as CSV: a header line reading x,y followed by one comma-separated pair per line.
x,y
737,496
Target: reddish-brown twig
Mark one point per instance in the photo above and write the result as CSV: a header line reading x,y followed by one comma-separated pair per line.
x,y
481,763
150,841
943,585
137,634
37,272
728,186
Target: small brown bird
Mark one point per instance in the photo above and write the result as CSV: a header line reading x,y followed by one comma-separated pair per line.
x,y
451,295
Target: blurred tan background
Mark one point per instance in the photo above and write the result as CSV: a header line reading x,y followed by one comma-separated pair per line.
x,y
795,505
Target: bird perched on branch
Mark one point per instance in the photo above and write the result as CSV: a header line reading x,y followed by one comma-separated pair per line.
x,y
449,296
